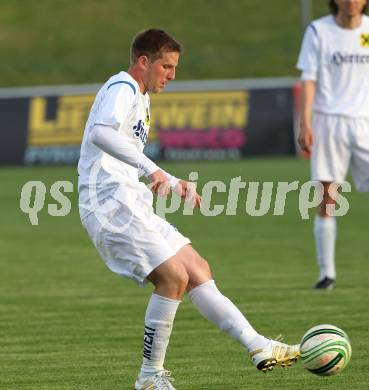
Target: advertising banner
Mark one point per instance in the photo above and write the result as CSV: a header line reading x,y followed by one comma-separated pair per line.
x,y
185,125
199,125
55,128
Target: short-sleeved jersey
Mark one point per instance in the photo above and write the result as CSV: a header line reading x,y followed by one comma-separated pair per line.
x,y
338,60
119,104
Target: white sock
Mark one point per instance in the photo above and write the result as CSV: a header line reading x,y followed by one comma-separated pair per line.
x,y
325,231
225,315
159,319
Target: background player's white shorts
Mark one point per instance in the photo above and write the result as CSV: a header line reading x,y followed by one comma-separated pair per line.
x,y
132,241
339,143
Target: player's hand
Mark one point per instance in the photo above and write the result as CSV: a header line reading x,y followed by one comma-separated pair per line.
x,y
187,191
159,183
305,139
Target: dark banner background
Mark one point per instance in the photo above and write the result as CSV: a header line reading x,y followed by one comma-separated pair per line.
x,y
270,130
13,131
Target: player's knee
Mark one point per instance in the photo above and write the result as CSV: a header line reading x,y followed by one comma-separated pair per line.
x,y
175,279
324,206
205,266
199,274
202,266
180,282
174,285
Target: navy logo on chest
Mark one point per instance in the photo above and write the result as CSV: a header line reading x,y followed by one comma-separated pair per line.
x,y
140,131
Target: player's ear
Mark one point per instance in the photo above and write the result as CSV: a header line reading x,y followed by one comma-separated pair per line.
x,y
143,61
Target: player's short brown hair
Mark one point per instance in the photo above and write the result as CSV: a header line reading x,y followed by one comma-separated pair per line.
x,y
152,43
334,7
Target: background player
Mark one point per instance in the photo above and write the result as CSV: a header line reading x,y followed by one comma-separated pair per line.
x,y
334,60
116,210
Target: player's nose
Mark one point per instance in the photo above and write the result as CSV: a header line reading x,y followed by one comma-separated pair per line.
x,y
171,74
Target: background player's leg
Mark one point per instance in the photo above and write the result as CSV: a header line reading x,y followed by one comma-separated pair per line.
x,y
325,231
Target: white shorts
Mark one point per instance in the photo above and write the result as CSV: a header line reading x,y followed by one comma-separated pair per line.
x,y
340,143
132,240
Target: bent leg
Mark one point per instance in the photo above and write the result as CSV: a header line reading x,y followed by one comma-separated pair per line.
x,y
196,267
213,305
170,278
218,309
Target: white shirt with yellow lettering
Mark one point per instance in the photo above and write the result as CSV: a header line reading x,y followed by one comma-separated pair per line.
x,y
338,60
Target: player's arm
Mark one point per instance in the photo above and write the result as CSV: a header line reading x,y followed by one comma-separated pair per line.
x,y
116,104
185,189
114,144
305,138
161,182
308,63
113,111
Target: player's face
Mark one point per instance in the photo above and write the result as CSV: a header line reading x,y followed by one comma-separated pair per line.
x,y
350,8
161,71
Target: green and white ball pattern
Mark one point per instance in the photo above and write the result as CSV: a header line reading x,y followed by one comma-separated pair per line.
x,y
325,350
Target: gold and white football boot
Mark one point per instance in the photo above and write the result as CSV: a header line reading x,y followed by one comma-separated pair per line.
x,y
273,354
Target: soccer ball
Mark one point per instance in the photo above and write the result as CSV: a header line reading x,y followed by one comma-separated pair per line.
x,y
325,350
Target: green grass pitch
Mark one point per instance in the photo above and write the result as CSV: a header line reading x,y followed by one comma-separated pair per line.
x,y
68,323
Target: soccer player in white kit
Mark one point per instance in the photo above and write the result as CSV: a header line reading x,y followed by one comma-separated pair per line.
x,y
116,210
334,61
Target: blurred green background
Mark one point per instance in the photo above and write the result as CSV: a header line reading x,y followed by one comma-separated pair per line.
x,y
68,41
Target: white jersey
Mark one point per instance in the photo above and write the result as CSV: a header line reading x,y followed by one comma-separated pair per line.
x,y
120,105
338,60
